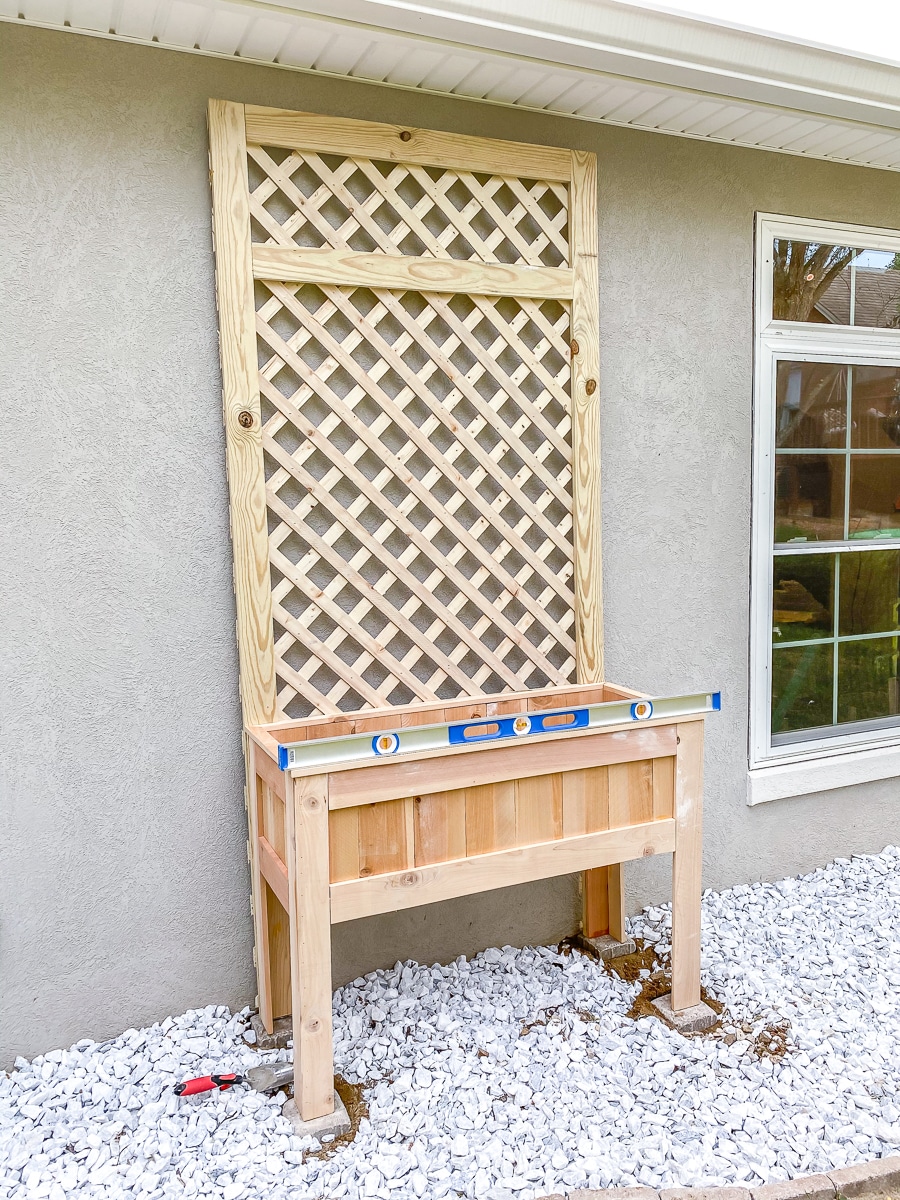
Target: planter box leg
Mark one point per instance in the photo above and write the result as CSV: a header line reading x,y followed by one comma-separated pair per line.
x,y
687,863
310,916
604,903
260,899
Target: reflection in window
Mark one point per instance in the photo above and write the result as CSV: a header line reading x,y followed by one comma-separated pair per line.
x,y
803,597
870,592
809,497
802,687
867,680
874,496
835,285
876,407
811,405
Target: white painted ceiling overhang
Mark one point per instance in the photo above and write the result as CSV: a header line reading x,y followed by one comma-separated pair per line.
x,y
595,60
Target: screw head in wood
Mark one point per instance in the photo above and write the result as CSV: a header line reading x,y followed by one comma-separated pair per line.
x,y
591,386
245,419
405,136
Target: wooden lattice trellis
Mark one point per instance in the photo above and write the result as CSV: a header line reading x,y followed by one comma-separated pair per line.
x,y
400,573
409,332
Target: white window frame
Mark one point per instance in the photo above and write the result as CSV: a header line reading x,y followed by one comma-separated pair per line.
x,y
838,759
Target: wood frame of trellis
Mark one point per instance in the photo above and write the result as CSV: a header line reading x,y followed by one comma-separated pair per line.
x,y
429,809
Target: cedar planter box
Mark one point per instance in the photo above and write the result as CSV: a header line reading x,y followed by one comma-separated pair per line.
x,y
344,830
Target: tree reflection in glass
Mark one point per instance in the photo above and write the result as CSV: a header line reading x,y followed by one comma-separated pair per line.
x,y
803,272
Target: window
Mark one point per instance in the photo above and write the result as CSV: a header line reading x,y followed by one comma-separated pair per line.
x,y
826,545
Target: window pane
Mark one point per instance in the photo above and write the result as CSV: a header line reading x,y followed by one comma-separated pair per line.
x,y
809,497
811,405
803,273
876,289
802,678
874,495
876,407
835,285
867,679
803,597
870,592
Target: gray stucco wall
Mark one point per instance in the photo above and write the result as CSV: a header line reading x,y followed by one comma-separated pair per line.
x,y
124,887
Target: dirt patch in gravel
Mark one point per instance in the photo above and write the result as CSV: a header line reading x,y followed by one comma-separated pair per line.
x,y
631,968
772,1041
355,1104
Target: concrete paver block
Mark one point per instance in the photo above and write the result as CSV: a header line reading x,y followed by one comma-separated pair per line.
x,y
333,1124
807,1187
607,947
711,1193
882,1175
689,1020
624,1193
277,1039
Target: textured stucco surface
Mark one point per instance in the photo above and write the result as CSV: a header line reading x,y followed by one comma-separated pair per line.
x,y
124,888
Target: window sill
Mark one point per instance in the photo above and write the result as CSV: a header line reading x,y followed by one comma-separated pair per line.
x,y
781,780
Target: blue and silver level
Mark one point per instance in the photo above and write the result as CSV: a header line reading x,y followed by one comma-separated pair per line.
x,y
486,731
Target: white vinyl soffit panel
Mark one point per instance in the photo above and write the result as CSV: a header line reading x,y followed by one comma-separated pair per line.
x,y
273,36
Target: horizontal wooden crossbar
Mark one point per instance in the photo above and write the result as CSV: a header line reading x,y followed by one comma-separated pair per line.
x,y
401,143
351,268
474,766
485,872
274,871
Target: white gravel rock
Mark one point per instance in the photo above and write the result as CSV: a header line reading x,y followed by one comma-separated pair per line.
x,y
515,1074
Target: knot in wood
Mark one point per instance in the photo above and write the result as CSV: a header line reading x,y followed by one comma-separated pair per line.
x,y
409,880
405,136
648,851
574,347
591,386
245,419
312,803
312,1025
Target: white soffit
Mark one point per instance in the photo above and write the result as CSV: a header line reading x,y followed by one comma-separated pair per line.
x,y
590,59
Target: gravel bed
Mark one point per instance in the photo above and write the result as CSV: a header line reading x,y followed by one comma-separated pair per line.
x,y
517,1073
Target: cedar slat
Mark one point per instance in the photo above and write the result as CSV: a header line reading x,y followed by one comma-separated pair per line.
x,y
663,787
383,838
491,817
440,827
538,809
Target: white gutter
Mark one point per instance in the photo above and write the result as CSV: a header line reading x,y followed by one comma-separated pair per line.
x,y
652,45
594,60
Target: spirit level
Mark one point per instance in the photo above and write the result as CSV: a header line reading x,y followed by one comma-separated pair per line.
x,y
486,731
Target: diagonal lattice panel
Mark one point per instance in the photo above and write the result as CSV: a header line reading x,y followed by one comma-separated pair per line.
x,y
417,446
358,204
